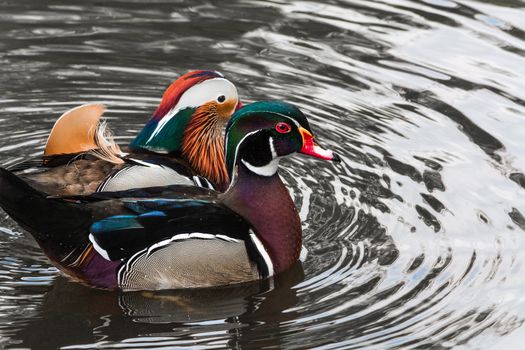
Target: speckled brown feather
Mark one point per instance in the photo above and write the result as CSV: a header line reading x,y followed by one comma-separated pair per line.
x,y
79,177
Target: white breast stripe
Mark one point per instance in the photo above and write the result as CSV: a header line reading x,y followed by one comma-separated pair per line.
x,y
159,244
203,182
197,181
181,236
202,235
210,185
128,264
263,252
227,239
98,248
184,236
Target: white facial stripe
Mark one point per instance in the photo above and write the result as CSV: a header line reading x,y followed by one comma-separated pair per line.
x,y
272,148
284,116
199,95
294,121
207,91
266,170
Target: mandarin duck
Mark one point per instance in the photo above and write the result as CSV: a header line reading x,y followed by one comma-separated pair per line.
x,y
182,143
181,236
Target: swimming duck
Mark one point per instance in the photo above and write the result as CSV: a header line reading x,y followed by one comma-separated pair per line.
x,y
181,236
182,143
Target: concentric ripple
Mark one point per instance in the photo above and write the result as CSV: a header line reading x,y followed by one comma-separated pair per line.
x,y
416,240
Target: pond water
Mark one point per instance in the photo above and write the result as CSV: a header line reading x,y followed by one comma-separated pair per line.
x,y
416,240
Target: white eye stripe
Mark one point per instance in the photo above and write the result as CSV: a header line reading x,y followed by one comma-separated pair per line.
x,y
293,120
198,95
206,91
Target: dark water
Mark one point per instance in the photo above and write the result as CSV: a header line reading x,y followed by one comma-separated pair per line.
x,y
417,240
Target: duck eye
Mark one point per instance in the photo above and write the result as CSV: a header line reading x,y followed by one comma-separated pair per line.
x,y
283,128
221,98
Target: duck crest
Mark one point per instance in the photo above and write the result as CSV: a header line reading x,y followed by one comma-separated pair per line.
x,y
163,133
242,124
174,92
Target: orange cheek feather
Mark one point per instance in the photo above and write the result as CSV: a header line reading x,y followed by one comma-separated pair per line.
x,y
225,109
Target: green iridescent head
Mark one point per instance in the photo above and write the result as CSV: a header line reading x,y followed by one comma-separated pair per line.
x,y
260,133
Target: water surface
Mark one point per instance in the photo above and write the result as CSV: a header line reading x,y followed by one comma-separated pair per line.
x,y
415,241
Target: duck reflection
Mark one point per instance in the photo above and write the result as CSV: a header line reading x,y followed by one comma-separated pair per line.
x,y
85,316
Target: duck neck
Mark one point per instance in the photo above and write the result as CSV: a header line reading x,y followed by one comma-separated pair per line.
x,y
265,202
203,146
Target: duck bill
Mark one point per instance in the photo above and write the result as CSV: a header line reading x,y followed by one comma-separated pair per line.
x,y
311,148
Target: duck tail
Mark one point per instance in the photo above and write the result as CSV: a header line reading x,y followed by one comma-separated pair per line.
x,y
81,130
56,224
17,198
106,147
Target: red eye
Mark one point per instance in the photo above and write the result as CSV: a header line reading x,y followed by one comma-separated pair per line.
x,y
283,128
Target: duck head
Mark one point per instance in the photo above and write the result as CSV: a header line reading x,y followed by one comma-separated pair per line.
x,y
259,134
189,121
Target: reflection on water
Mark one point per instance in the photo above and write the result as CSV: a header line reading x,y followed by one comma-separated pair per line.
x,y
415,241
82,315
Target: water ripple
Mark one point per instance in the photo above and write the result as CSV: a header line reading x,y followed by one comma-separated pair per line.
x,y
414,241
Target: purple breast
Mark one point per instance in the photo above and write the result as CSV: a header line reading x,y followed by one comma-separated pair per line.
x,y
100,272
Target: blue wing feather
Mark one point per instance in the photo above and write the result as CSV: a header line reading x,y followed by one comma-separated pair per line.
x,y
115,223
144,206
121,236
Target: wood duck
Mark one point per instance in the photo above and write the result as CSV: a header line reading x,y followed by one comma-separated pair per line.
x,y
182,143
181,236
